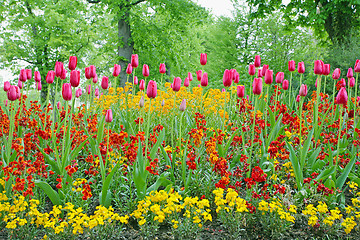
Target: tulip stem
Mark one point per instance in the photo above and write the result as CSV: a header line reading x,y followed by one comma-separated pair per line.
x,y
173,122
325,85
107,150
316,109
300,128
11,130
290,89
265,110
301,75
252,135
333,102
64,129
223,123
356,104
147,132
338,142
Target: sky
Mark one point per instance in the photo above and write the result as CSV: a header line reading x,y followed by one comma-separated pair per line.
x,y
218,7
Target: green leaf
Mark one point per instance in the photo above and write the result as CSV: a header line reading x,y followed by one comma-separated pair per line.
x,y
296,166
53,195
160,181
305,148
105,199
325,174
344,175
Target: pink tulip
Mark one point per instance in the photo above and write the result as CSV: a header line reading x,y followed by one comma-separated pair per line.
x,y
145,70
263,71
23,75
151,90
108,116
190,76
336,74
203,58
343,82
6,86
117,70
199,75
342,97
12,93
285,84
88,89
142,85
63,74
227,78
351,82
186,82
252,70
301,67
240,91
259,73
291,65
257,61
20,85
87,73
350,73
105,82
233,74
58,105
182,105
268,76
28,74
59,68
134,60
92,71
95,79
257,86
129,69
298,98
18,93
318,70
176,84
223,90
357,66
74,78
72,62
136,80
38,86
326,70
236,78
204,80
78,93
96,92
303,90
162,68
37,76
279,77
66,91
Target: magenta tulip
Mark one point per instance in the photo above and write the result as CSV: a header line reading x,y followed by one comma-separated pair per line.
x,y
145,70
87,73
72,62
162,68
291,65
74,78
96,92
37,76
190,76
88,89
6,86
12,94
342,97
108,116
298,98
59,68
38,86
336,74
268,76
285,84
151,90
236,78
343,82
95,79
28,74
259,73
301,67
326,70
186,82
104,82
129,69
350,73
351,82
136,80
63,74
182,105
257,61
252,70
203,58
199,75
134,61
303,90
23,75
227,78
263,71
204,80
257,86
20,84
318,70
78,93
176,85
92,71
66,91
50,77
240,91
279,77
357,66
142,85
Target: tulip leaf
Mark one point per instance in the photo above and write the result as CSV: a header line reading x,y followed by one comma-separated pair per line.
x,y
51,193
311,160
326,173
50,160
160,181
159,141
296,166
105,199
344,175
305,148
230,141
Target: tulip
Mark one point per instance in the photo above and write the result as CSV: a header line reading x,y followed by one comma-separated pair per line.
x,y
350,73
176,84
227,78
12,93
186,82
318,70
63,74
351,82
263,71
74,78
95,79
38,86
240,91
336,74
182,105
142,85
18,94
279,77
204,80
105,82
162,68
203,58
233,74
342,97
6,86
129,69
20,84
88,89
259,73
357,66
257,86
268,76
303,90
72,62
141,102
151,90
326,70
87,73
59,68
301,67
343,82
190,76
145,70
58,105
108,116
78,93
285,84
236,78
252,70
257,61
92,71
199,75
291,65
134,60
66,91
96,92
37,76
136,80
28,74
117,70
23,75
298,98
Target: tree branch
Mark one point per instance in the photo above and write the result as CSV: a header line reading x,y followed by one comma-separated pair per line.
x,y
137,2
21,59
94,1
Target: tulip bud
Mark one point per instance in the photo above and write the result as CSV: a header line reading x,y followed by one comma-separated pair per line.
x,y
12,93
182,105
285,84
92,71
279,77
257,61
259,73
186,82
142,85
203,58
95,79
151,90
66,91
23,75
318,70
190,76
38,86
59,68
129,69
240,91
298,98
97,92
63,74
336,74
350,73
105,83
74,78
162,68
326,70
357,66
263,71
117,70
58,105
301,67
88,89
37,76
236,78
268,76
78,93
227,78
108,116
145,70
20,84
291,65
87,73
72,62
134,60
257,86
176,84
28,74
342,97
252,70
136,80
204,80
6,86
351,82
141,102
199,75
303,90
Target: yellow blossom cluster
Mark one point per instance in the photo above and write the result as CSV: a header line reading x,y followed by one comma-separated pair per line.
x,y
275,207
231,202
321,213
